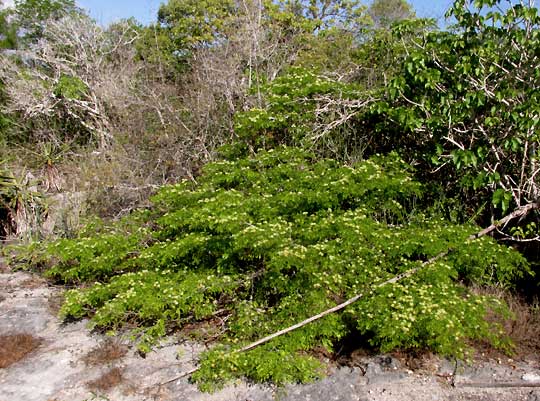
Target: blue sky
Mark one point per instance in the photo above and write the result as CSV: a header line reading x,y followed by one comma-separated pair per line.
x,y
106,11
145,11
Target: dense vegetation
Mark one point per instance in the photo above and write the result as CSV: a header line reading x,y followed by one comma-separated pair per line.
x,y
255,163
264,242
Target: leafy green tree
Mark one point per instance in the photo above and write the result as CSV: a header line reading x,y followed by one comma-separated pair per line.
x,y
155,46
186,25
472,95
194,23
8,33
337,29
324,14
29,16
386,12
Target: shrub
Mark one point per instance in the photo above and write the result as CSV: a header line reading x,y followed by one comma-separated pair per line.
x,y
264,242
21,207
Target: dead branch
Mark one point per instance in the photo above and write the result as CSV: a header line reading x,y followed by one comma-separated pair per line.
x,y
520,212
342,110
74,47
499,384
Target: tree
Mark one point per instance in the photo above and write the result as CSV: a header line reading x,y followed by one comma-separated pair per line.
x,y
475,93
221,53
347,14
386,12
462,105
194,23
8,33
66,88
29,16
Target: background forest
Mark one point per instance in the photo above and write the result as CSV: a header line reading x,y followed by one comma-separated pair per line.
x,y
240,165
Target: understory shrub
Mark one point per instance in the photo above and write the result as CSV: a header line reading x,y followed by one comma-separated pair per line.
x,y
261,243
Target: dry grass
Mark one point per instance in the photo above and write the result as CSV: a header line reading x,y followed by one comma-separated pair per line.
x,y
523,328
108,380
33,282
14,347
108,351
55,302
4,268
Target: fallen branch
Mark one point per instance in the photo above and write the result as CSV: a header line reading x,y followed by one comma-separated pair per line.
x,y
340,306
520,212
499,384
517,213
185,374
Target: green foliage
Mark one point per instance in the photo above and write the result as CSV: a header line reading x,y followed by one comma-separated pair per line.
x,y
331,51
70,87
30,16
187,26
309,107
384,51
324,14
155,46
289,115
98,256
21,206
278,364
469,98
461,104
194,23
386,12
261,243
8,33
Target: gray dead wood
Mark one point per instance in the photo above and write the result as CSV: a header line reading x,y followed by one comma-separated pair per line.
x,y
498,384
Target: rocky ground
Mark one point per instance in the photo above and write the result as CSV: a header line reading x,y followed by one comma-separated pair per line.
x,y
67,362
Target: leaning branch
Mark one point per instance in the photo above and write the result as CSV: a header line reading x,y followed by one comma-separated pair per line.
x,y
343,305
520,212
